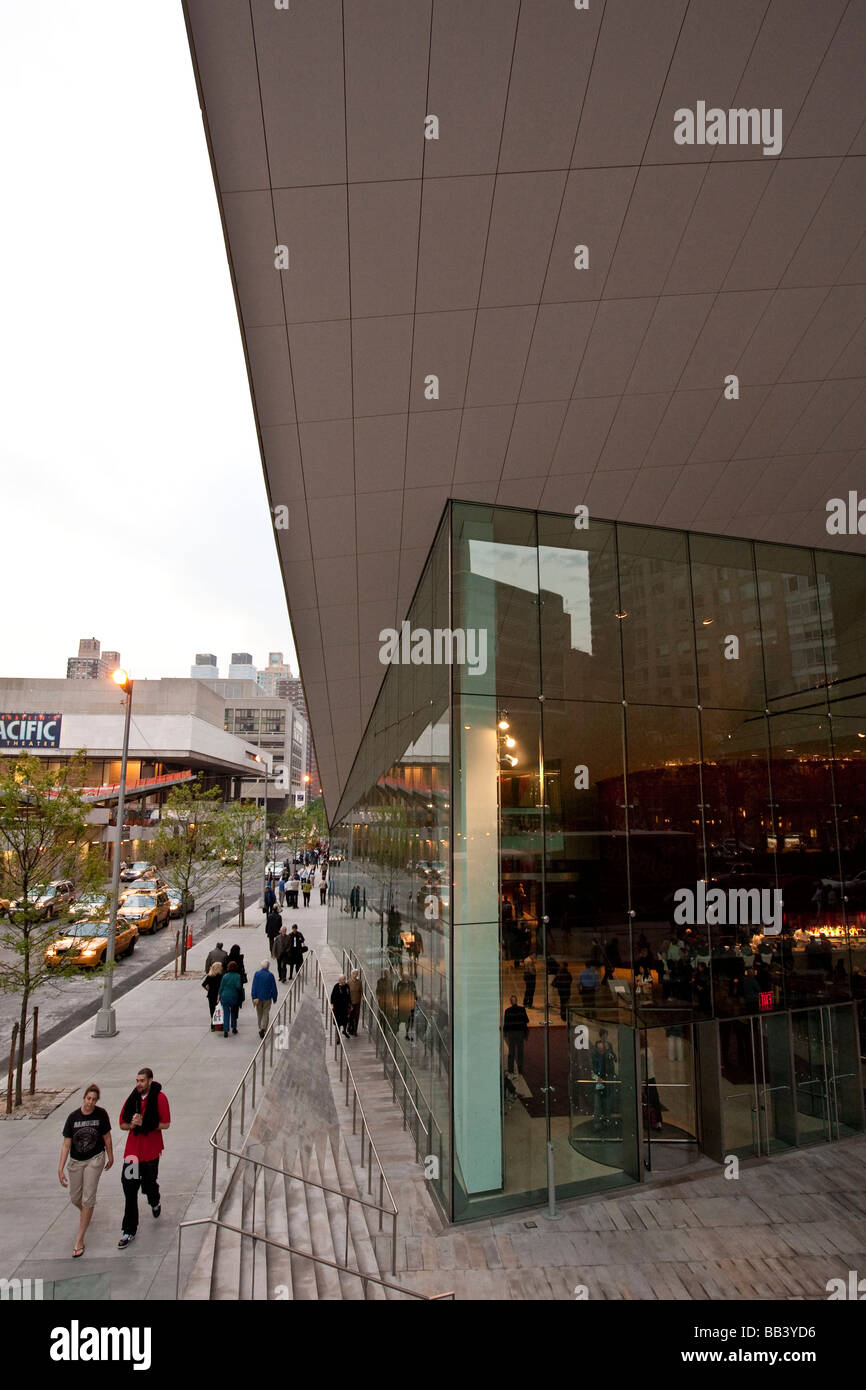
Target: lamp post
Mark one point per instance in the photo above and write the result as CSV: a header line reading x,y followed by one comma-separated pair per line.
x,y
260,759
306,788
106,1021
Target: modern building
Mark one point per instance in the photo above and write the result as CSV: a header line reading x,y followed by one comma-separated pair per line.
x,y
241,667
271,677
177,735
275,726
205,667
538,359
89,665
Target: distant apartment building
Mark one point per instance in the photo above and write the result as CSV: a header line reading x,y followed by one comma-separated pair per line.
x,y
274,725
205,667
276,671
241,667
89,665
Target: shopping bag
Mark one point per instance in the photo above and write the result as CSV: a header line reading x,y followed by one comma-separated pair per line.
x,y
217,1020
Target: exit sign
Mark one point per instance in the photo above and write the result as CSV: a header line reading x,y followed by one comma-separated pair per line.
x,y
765,999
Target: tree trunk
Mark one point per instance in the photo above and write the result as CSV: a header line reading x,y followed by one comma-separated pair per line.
x,y
19,1069
241,922
183,940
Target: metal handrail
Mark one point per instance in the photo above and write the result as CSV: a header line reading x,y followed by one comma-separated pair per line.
x,y
304,1255
289,1002
372,1016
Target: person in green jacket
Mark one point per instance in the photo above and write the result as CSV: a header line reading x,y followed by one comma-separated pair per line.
x,y
231,986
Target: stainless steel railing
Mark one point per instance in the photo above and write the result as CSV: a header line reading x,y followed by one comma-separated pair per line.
x,y
302,1254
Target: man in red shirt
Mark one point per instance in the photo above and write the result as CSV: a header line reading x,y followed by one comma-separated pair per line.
x,y
145,1115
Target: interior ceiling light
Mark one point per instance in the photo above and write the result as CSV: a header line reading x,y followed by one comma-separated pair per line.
x,y
622,614
511,743
861,735
707,622
504,724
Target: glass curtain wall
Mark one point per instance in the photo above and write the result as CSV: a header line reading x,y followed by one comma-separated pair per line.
x,y
649,928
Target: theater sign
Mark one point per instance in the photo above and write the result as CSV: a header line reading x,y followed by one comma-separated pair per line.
x,y
30,730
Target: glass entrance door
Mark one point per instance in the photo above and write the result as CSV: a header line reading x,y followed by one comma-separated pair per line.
x,y
668,1096
826,1069
757,1091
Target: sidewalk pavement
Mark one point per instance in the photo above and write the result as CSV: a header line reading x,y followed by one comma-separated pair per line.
x,y
162,1024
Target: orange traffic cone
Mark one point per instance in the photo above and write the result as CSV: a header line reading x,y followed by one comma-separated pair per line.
x,y
189,939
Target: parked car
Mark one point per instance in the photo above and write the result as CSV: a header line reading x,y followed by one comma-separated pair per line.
x,y
136,870
149,911
178,900
85,944
90,907
49,901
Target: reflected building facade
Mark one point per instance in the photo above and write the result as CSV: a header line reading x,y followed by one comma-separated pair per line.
x,y
663,719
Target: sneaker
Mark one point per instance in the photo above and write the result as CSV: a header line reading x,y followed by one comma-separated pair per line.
x,y
124,1241
234,1030
261,1032
157,1210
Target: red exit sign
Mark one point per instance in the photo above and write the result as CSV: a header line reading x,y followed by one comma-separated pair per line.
x,y
765,999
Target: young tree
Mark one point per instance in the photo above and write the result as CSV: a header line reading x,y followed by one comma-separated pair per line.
x,y
43,829
237,835
185,837
296,827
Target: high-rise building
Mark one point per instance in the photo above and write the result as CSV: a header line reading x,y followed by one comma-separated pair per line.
x,y
205,667
89,665
241,667
276,671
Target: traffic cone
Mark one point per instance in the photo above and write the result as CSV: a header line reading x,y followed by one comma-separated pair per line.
x,y
189,939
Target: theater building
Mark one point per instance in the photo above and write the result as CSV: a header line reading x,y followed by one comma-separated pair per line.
x,y
561,417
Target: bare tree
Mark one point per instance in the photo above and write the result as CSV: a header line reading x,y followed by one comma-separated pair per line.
x,y
184,841
238,830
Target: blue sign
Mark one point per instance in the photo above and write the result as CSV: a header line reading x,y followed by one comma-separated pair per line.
x,y
30,730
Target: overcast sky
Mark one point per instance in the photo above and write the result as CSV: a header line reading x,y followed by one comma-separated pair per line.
x,y
133,504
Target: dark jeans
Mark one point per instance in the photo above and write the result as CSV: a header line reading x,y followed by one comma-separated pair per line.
x,y
354,1015
515,1043
281,969
230,1015
293,966
147,1180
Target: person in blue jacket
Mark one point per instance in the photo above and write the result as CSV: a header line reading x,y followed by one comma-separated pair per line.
x,y
231,989
264,994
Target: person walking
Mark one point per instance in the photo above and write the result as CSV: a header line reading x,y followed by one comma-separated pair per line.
x,y
263,995
294,889
529,979
231,989
270,898
295,953
562,982
306,889
281,887
86,1152
144,1116
356,994
515,1031
406,999
216,954
272,927
340,1003
235,955
323,891
281,950
211,983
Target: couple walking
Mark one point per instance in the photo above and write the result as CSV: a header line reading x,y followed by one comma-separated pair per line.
x,y
87,1152
224,982
346,999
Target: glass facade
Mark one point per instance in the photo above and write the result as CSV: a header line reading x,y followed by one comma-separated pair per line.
x,y
626,824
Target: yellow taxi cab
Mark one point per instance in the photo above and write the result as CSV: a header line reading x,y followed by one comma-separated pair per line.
x,y
85,944
148,911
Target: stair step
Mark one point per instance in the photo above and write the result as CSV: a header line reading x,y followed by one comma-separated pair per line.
x,y
304,1283
278,1262
340,1213
365,1255
321,1235
198,1285
226,1275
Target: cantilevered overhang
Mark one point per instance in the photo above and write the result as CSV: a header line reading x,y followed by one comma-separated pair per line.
x,y
454,257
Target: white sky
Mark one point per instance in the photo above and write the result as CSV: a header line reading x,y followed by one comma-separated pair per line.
x,y
132,503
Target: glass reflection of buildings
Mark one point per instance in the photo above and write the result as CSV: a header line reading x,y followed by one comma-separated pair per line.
x,y
620,746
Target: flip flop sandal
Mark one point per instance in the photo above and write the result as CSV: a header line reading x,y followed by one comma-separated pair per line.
x,y
77,1253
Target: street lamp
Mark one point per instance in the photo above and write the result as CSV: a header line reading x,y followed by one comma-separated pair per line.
x,y
260,759
106,1022
306,787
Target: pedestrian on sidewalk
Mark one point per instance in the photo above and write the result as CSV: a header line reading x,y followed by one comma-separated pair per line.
x,y
263,995
295,953
231,989
145,1115
211,983
281,949
356,994
340,1003
269,899
86,1151
323,892
306,889
235,955
294,888
281,887
272,927
216,954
